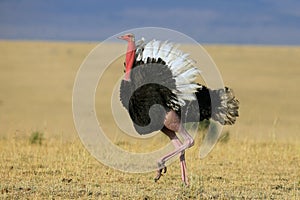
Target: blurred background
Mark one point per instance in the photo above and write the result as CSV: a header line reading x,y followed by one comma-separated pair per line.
x,y
230,22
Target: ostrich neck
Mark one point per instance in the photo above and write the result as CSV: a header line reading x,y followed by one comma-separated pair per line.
x,y
130,56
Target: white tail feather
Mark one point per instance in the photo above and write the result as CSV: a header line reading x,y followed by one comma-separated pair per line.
x,y
140,44
162,50
168,48
156,45
148,51
187,76
180,64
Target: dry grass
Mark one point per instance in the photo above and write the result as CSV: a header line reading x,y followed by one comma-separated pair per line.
x,y
59,169
260,161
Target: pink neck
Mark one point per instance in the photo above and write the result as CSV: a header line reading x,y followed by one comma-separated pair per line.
x,y
130,56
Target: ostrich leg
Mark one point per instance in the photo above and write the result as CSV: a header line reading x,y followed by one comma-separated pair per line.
x,y
172,125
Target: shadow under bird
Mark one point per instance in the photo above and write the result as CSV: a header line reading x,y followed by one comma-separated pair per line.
x,y
160,93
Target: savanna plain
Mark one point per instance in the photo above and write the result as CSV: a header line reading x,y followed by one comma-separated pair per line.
x,y
42,156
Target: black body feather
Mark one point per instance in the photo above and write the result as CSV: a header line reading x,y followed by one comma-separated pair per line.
x,y
148,96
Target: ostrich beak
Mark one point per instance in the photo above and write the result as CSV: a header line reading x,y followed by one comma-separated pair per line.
x,y
121,37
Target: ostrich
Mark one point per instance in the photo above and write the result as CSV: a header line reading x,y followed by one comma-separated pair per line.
x,y
160,93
